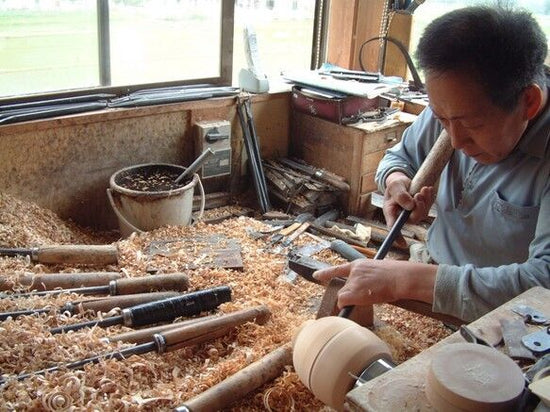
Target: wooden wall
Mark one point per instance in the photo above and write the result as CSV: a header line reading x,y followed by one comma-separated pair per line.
x,y
64,164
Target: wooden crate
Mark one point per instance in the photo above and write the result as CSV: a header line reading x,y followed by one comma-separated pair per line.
x,y
349,151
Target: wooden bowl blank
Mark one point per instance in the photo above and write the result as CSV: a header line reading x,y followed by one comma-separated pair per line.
x,y
330,352
471,377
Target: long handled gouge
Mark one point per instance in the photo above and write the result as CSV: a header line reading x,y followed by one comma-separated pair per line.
x,y
95,305
126,286
427,175
169,340
67,254
165,310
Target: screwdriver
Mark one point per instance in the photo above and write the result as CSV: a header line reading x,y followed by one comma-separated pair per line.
x,y
164,310
126,286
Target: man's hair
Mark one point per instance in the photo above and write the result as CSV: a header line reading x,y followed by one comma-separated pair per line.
x,y
504,49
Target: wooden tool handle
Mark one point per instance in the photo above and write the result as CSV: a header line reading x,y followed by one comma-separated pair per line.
x,y
177,338
77,254
433,165
151,283
124,301
72,280
146,334
241,383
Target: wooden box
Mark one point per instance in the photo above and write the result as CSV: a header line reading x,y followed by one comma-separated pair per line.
x,y
349,151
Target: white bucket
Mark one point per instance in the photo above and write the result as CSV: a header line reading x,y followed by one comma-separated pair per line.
x,y
139,209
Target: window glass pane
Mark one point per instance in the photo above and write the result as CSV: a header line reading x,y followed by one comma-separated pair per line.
x,y
164,40
284,31
47,45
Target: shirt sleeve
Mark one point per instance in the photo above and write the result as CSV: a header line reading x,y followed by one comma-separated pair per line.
x,y
407,155
469,292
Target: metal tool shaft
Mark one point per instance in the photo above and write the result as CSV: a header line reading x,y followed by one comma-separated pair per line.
x,y
427,175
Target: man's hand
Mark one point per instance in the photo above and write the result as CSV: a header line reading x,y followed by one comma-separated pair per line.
x,y
379,281
397,197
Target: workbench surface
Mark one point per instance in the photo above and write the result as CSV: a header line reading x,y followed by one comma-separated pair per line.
x,y
402,388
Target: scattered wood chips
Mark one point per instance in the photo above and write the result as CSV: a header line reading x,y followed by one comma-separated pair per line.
x,y
162,382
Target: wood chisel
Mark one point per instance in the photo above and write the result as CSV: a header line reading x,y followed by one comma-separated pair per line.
x,y
67,254
189,304
126,286
96,305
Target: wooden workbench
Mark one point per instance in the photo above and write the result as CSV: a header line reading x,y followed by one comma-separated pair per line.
x,y
402,388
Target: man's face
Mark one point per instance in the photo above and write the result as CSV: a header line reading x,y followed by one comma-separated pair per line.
x,y
477,127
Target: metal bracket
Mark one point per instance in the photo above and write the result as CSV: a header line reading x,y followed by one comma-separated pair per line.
x,y
538,342
530,315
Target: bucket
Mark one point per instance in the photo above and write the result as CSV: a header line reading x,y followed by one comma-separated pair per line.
x,y
145,197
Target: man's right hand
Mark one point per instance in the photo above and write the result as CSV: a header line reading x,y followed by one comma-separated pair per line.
x,y
397,197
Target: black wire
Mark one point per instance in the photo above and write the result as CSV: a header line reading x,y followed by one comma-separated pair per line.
x,y
416,78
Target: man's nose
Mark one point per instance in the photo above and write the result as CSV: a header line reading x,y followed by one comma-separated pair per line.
x,y
459,138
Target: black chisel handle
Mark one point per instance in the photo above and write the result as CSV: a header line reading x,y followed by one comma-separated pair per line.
x,y
187,305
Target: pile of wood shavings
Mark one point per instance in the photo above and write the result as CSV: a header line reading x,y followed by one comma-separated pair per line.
x,y
162,382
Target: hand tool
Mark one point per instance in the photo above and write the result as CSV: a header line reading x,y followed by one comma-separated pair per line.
x,y
96,305
196,165
67,254
165,341
241,383
427,175
126,286
48,281
164,310
301,218
258,314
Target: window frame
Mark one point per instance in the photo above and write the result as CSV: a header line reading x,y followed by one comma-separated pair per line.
x,y
102,8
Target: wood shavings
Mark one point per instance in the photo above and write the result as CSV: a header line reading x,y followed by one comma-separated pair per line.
x,y
162,382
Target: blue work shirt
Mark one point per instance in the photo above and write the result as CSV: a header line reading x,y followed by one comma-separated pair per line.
x,y
491,236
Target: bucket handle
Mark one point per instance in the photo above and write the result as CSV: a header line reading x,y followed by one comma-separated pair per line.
x,y
119,213
203,198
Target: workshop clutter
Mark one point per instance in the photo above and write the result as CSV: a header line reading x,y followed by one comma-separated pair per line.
x,y
302,188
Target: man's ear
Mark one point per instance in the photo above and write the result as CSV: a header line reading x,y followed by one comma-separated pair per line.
x,y
533,98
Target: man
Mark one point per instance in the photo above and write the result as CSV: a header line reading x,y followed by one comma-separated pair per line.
x,y
485,78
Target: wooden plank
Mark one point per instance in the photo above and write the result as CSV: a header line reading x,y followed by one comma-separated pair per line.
x,y
399,29
341,32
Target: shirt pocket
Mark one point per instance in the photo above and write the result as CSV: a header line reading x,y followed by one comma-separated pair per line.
x,y
510,224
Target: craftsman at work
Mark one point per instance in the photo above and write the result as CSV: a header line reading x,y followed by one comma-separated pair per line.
x,y
487,86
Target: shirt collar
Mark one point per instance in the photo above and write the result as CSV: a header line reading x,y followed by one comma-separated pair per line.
x,y
536,140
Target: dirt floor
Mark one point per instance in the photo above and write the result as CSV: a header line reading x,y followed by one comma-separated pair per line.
x,y
154,381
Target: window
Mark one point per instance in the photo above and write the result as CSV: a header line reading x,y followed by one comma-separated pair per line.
x,y
66,47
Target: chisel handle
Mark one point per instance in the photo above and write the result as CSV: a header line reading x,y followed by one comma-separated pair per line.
x,y
175,339
49,281
427,175
189,304
124,301
127,286
241,383
76,254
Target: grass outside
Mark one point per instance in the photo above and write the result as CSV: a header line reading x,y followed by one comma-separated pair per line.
x,y
53,51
